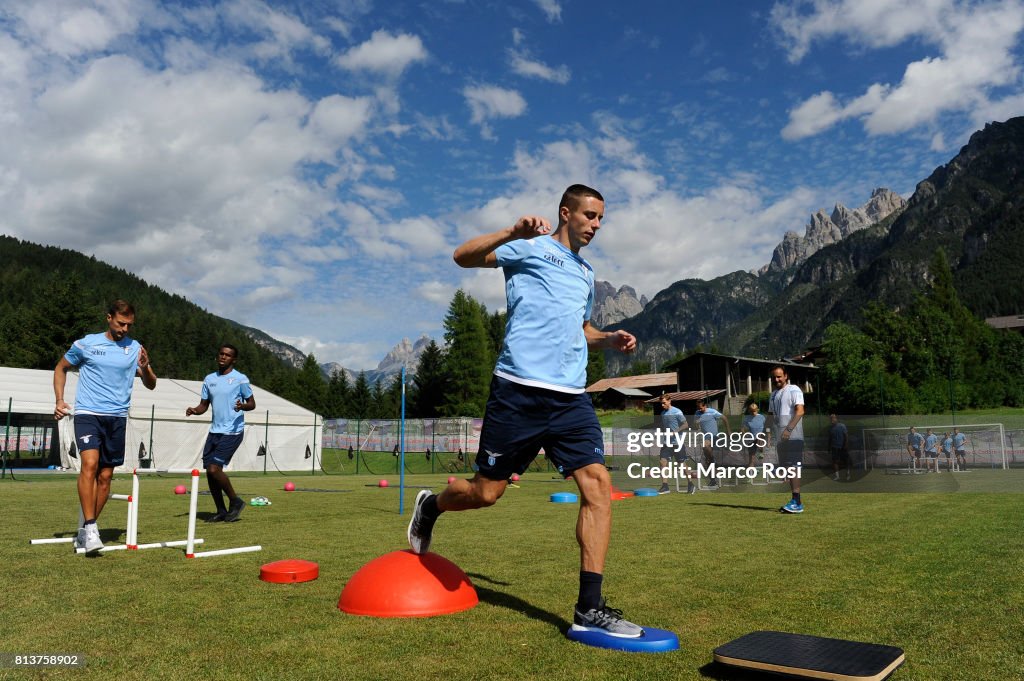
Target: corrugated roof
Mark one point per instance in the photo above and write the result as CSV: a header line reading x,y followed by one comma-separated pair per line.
x,y
642,381
689,395
630,392
1012,322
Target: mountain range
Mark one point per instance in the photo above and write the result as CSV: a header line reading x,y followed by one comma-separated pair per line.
x,y
972,208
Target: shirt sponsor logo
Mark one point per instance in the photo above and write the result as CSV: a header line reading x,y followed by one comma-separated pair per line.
x,y
552,258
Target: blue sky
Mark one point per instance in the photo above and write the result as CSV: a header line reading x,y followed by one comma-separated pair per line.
x,y
308,168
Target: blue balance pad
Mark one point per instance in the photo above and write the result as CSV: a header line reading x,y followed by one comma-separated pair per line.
x,y
564,498
653,641
646,492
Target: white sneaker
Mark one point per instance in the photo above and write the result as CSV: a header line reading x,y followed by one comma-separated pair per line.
x,y
79,542
93,543
835,476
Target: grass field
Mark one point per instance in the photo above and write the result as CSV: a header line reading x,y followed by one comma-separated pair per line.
x,y
938,574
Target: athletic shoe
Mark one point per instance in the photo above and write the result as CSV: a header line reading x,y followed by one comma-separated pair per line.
x,y
835,476
421,528
664,488
93,544
234,510
691,488
79,541
792,507
218,517
606,621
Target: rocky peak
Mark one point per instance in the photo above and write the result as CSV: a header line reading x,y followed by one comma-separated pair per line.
x,y
824,229
612,305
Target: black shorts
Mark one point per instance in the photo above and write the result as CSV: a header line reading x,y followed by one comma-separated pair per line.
x,y
105,433
840,455
791,452
670,454
520,419
220,447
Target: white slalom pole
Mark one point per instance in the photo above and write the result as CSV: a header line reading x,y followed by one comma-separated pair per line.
x,y
52,540
133,516
224,552
167,544
193,505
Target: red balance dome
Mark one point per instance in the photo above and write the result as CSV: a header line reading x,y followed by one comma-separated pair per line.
x,y
404,584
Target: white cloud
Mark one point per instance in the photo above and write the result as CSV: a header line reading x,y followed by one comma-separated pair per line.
x,y
551,8
336,119
529,68
70,27
487,102
975,44
384,53
436,292
281,33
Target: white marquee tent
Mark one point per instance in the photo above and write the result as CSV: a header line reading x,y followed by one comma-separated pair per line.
x,y
159,434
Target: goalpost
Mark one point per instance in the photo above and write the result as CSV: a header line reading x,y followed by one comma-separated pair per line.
x,y
985,446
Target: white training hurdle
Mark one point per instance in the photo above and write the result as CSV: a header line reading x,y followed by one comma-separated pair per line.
x,y
193,506
132,537
132,525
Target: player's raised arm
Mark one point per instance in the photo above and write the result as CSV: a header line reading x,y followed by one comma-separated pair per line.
x,y
479,251
620,340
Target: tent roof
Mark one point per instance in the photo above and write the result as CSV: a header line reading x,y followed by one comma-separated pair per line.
x,y
31,392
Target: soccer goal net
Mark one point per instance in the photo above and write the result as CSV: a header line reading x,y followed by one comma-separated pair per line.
x,y
983,445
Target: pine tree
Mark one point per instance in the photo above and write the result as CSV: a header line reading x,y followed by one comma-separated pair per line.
x,y
338,391
469,360
361,400
310,383
596,366
429,385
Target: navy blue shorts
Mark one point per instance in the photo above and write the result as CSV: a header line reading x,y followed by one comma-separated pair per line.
x,y
791,452
105,433
220,447
520,419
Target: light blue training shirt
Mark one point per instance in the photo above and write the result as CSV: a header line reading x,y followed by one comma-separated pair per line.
x,y
708,420
672,418
222,391
754,423
958,440
550,292
930,442
106,373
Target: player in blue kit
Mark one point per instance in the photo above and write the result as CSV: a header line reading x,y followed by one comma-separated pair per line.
x,y
230,394
107,365
538,396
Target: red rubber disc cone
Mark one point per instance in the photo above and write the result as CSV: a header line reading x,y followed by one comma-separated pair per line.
x,y
289,571
404,584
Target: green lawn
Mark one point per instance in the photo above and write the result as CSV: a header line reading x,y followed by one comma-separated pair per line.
x,y
938,574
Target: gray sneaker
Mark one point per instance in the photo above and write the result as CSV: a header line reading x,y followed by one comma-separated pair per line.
x,y
605,620
79,541
93,544
421,529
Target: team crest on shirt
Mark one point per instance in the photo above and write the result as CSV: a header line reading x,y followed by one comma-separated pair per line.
x,y
126,350
492,458
85,439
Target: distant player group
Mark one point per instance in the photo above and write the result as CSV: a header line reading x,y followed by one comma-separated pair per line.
x,y
930,445
107,364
